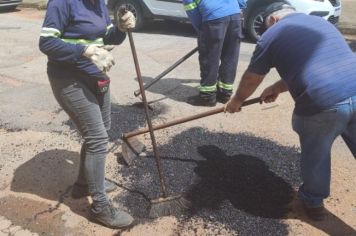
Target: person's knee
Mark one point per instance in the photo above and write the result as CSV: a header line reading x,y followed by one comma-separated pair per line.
x,y
97,144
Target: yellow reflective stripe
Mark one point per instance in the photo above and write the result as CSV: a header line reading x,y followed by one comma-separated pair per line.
x,y
191,6
108,28
225,86
98,41
207,88
50,32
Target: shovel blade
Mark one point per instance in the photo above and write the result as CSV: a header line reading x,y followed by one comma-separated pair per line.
x,y
131,148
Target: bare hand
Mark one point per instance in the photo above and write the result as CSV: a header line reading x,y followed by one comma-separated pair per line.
x,y
270,94
233,105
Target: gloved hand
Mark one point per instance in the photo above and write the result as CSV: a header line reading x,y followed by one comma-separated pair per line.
x,y
126,21
100,56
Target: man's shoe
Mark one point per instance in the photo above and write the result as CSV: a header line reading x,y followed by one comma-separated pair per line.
x,y
222,98
315,213
81,190
202,101
111,217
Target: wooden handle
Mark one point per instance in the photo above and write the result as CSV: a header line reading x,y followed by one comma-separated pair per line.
x,y
186,119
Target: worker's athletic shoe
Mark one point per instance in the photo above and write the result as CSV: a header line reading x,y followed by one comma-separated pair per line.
x,y
202,101
81,190
222,98
315,213
111,217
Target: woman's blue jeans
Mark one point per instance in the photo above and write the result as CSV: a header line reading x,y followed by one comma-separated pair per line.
x,y
91,114
317,134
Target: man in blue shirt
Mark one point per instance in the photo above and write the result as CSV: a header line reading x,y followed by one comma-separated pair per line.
x,y
318,69
76,37
218,24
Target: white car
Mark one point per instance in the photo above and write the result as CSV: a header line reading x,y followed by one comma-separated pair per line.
x,y
253,23
328,9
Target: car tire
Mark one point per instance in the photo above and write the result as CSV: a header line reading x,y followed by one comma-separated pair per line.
x,y
132,6
255,24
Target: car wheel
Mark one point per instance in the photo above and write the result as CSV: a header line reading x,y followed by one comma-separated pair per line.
x,y
255,24
134,7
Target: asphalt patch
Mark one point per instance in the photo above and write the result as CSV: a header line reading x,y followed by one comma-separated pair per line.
x,y
243,180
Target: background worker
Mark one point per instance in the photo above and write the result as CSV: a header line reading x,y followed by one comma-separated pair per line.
x,y
218,24
318,68
73,37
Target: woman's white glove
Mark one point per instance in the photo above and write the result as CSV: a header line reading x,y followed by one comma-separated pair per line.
x,y
100,56
126,21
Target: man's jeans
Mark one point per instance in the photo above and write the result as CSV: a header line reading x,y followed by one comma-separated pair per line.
x,y
317,134
91,114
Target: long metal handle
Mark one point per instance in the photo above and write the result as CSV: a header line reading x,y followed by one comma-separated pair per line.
x,y
150,127
169,69
186,119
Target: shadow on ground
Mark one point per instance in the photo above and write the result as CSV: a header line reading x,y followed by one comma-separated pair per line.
x,y
50,175
238,180
8,10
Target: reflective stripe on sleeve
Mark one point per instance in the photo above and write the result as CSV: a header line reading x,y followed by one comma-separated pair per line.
x,y
191,6
50,32
108,28
225,86
98,41
207,88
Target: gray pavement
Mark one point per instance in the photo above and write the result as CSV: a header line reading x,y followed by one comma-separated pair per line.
x,y
347,24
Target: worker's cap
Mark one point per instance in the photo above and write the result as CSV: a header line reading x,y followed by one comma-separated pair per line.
x,y
276,6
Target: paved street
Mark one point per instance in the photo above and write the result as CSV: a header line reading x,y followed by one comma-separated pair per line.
x,y
240,170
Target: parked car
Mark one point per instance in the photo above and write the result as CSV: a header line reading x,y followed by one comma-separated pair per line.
x,y
253,20
8,5
328,9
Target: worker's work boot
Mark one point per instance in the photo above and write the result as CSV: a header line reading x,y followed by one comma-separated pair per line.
x,y
205,101
111,217
81,190
222,98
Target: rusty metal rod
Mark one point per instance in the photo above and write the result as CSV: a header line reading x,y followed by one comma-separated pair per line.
x,y
186,119
153,139
169,69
